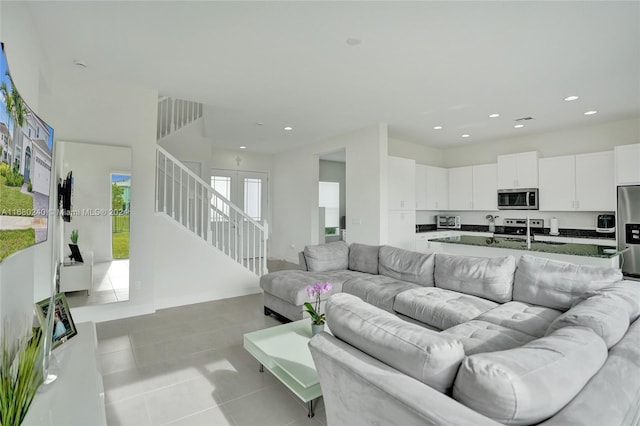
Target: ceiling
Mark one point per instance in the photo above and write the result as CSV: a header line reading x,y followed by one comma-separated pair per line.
x,y
325,68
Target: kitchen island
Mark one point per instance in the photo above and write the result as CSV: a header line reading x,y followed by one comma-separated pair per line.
x,y
482,246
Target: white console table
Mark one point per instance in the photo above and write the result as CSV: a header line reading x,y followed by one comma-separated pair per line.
x,y
79,275
77,396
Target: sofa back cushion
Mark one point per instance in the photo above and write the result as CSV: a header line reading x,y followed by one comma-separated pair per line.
x,y
327,257
556,284
608,312
407,265
423,354
529,384
363,258
490,278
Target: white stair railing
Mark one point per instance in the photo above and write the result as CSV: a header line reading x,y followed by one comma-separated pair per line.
x,y
189,200
174,114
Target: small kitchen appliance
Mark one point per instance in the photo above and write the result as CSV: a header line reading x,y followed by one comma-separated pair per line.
x,y
606,223
518,199
448,222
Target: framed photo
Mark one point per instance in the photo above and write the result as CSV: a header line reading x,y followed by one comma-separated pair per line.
x,y
63,326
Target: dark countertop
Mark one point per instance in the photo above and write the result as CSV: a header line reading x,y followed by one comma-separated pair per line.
x,y
564,232
591,250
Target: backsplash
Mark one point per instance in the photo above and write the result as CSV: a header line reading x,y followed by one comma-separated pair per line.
x,y
571,224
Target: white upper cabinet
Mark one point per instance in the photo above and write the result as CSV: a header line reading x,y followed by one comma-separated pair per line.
x,y
485,187
557,181
401,183
461,188
437,188
595,182
518,170
577,182
627,164
432,188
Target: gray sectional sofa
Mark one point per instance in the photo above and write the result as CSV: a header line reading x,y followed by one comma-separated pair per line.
x,y
442,339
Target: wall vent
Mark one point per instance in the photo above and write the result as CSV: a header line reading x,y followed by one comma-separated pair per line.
x,y
524,119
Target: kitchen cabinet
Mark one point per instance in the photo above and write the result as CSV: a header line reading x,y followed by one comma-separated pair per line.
x,y
485,187
402,229
627,164
461,188
583,182
518,170
473,188
432,188
401,183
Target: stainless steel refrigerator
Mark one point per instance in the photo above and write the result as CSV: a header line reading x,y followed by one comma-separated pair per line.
x,y
629,229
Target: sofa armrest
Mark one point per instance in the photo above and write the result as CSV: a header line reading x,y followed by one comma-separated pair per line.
x,y
353,385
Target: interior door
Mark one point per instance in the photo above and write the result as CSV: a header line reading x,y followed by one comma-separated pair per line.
x,y
248,191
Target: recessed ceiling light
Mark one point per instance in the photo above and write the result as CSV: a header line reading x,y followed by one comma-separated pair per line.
x,y
437,127
259,123
288,128
352,41
591,112
243,147
465,135
519,126
571,98
494,116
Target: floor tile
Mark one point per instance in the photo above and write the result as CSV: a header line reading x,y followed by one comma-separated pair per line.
x,y
266,407
132,412
212,416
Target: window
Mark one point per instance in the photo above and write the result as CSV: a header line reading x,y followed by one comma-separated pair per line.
x,y
329,198
253,198
222,184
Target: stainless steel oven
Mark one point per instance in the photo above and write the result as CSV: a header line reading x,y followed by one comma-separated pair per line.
x,y
518,199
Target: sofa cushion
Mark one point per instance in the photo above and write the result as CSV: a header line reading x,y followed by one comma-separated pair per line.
x,y
611,396
556,284
406,265
422,354
290,285
327,257
529,319
528,384
490,278
605,314
629,291
363,258
440,308
482,336
377,290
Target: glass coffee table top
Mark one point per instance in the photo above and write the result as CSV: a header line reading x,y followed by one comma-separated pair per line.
x,y
283,350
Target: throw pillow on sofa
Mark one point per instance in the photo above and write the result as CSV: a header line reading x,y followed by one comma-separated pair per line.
x,y
407,265
327,257
490,278
556,284
363,258
526,385
425,355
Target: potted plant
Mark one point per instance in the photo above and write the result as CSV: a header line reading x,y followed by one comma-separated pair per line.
x,y
20,372
317,318
74,237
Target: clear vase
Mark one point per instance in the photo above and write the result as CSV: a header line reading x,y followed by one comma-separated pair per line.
x,y
316,328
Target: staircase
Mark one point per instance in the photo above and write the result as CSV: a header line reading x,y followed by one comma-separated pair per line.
x,y
174,114
196,206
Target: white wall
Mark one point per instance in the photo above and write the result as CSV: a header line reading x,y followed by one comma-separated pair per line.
x,y
295,191
578,140
187,270
92,165
421,153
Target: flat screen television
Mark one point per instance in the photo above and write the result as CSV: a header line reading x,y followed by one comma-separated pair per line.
x,y
26,166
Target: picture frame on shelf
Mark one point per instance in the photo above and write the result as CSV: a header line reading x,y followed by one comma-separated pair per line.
x,y
63,326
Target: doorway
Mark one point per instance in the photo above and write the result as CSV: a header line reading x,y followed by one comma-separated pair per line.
x,y
247,190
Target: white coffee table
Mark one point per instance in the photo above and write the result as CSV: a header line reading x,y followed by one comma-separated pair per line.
x,y
284,352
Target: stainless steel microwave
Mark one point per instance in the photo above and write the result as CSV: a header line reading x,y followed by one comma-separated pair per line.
x,y
518,199
448,222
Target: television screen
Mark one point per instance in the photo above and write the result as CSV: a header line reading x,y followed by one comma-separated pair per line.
x,y
26,146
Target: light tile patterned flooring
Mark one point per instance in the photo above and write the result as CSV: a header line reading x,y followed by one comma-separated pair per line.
x,y
187,366
110,284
